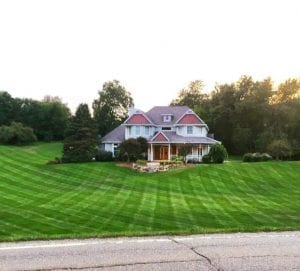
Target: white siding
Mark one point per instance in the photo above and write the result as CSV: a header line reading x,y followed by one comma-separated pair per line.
x,y
131,131
197,131
108,147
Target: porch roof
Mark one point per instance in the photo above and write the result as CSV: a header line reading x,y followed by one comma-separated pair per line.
x,y
174,138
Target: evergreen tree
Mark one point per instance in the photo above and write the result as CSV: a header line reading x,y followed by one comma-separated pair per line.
x,y
81,139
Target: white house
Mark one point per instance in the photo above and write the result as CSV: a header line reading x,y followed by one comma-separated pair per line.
x,y
166,128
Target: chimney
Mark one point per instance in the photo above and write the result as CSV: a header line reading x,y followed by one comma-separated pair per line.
x,y
131,110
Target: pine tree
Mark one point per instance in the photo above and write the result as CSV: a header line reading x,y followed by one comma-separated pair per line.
x,y
81,138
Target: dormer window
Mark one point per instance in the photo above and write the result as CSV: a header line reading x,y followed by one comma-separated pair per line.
x,y
167,118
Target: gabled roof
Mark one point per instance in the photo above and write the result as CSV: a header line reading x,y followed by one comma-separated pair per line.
x,y
115,136
155,114
138,117
159,137
190,118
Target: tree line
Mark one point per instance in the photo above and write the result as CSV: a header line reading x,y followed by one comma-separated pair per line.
x,y
246,115
249,115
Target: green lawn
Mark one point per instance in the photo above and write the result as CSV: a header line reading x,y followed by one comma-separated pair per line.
x,y
39,201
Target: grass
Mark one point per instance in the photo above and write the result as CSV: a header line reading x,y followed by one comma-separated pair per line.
x,y
39,201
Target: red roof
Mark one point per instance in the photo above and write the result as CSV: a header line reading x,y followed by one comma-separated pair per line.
x,y
190,119
137,119
160,138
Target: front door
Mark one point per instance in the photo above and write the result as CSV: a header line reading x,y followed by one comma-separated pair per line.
x,y
164,153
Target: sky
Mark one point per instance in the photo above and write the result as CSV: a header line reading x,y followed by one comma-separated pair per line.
x,y
69,48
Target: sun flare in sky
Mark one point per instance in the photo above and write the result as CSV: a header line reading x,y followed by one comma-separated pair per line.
x,y
70,48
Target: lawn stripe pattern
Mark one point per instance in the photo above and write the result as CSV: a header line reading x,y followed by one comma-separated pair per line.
x,y
40,201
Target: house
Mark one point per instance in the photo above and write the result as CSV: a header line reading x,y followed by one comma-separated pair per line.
x,y
166,128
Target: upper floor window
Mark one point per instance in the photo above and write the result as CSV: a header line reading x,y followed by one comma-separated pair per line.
x,y
189,130
167,118
137,130
146,130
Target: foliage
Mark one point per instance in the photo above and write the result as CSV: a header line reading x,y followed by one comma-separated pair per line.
x,y
141,162
80,143
143,146
256,157
206,158
133,149
104,156
16,134
184,150
247,115
177,158
111,108
218,153
280,148
48,118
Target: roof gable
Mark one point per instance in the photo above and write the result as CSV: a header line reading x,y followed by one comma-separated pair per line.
x,y
190,118
160,137
137,118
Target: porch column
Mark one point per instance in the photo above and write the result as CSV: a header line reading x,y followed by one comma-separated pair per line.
x,y
169,152
151,152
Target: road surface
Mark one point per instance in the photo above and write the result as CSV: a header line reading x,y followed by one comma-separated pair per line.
x,y
239,251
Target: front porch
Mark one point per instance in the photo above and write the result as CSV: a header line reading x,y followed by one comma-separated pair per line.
x,y
165,151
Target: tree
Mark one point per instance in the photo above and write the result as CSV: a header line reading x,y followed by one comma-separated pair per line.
x,y
81,140
7,108
184,150
130,150
16,134
218,153
143,146
280,148
191,96
287,91
111,108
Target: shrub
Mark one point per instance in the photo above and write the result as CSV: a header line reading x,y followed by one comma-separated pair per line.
x,y
256,157
266,157
280,149
193,161
16,134
133,149
141,162
104,156
206,158
218,153
130,150
247,157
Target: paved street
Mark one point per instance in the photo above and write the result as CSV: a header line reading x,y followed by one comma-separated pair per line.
x,y
240,251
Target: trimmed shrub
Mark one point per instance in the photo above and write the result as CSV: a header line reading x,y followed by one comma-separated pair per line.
x,y
247,157
256,157
104,156
218,153
206,158
266,157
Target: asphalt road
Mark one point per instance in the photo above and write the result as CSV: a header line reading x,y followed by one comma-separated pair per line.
x,y
240,251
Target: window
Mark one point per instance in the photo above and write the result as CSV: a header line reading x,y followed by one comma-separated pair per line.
x,y
167,118
137,130
166,128
189,130
129,130
146,130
